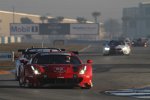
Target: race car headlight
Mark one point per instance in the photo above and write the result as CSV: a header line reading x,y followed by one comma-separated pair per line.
x,y
106,48
124,48
83,70
36,71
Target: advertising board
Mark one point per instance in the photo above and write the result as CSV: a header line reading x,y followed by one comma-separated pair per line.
x,y
84,29
54,29
23,29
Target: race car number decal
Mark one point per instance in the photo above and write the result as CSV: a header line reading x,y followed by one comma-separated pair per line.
x,y
59,70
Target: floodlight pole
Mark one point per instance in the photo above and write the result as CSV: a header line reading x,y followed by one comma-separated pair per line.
x,y
13,14
42,41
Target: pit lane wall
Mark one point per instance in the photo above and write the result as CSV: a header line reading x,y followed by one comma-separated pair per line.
x,y
6,56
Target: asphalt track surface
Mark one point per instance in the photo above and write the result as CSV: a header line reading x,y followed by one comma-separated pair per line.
x,y
110,73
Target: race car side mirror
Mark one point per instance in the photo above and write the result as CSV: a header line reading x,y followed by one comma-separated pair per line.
x,y
89,61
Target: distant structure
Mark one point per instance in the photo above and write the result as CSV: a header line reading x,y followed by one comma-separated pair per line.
x,y
136,21
7,17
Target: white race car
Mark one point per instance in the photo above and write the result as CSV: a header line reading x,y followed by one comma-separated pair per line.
x,y
116,47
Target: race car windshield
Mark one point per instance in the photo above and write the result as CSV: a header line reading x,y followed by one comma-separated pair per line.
x,y
116,43
56,59
28,56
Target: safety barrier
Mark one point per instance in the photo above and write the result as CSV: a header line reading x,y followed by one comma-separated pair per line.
x,y
10,39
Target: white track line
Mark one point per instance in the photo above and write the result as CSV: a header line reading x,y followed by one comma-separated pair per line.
x,y
85,48
136,93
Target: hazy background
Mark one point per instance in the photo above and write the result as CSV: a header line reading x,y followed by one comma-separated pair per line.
x,y
70,8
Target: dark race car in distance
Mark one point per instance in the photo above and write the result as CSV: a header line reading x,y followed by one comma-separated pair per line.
x,y
56,69
140,42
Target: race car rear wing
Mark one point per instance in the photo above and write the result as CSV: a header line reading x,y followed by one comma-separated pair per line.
x,y
23,51
38,50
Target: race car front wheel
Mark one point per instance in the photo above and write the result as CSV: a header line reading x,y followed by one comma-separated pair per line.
x,y
21,81
87,86
24,83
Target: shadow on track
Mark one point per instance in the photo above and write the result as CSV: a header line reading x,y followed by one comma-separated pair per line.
x,y
6,86
9,83
2,80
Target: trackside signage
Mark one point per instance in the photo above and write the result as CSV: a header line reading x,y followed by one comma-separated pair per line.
x,y
6,56
22,29
89,29
55,29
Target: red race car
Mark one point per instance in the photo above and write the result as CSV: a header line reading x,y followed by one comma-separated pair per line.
x,y
56,69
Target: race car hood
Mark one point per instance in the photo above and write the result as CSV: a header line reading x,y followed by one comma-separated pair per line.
x,y
116,47
119,46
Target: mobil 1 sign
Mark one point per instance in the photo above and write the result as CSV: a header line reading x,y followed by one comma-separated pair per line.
x,y
22,29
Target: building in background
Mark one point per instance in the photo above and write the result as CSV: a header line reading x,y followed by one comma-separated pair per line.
x,y
12,17
7,17
136,21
